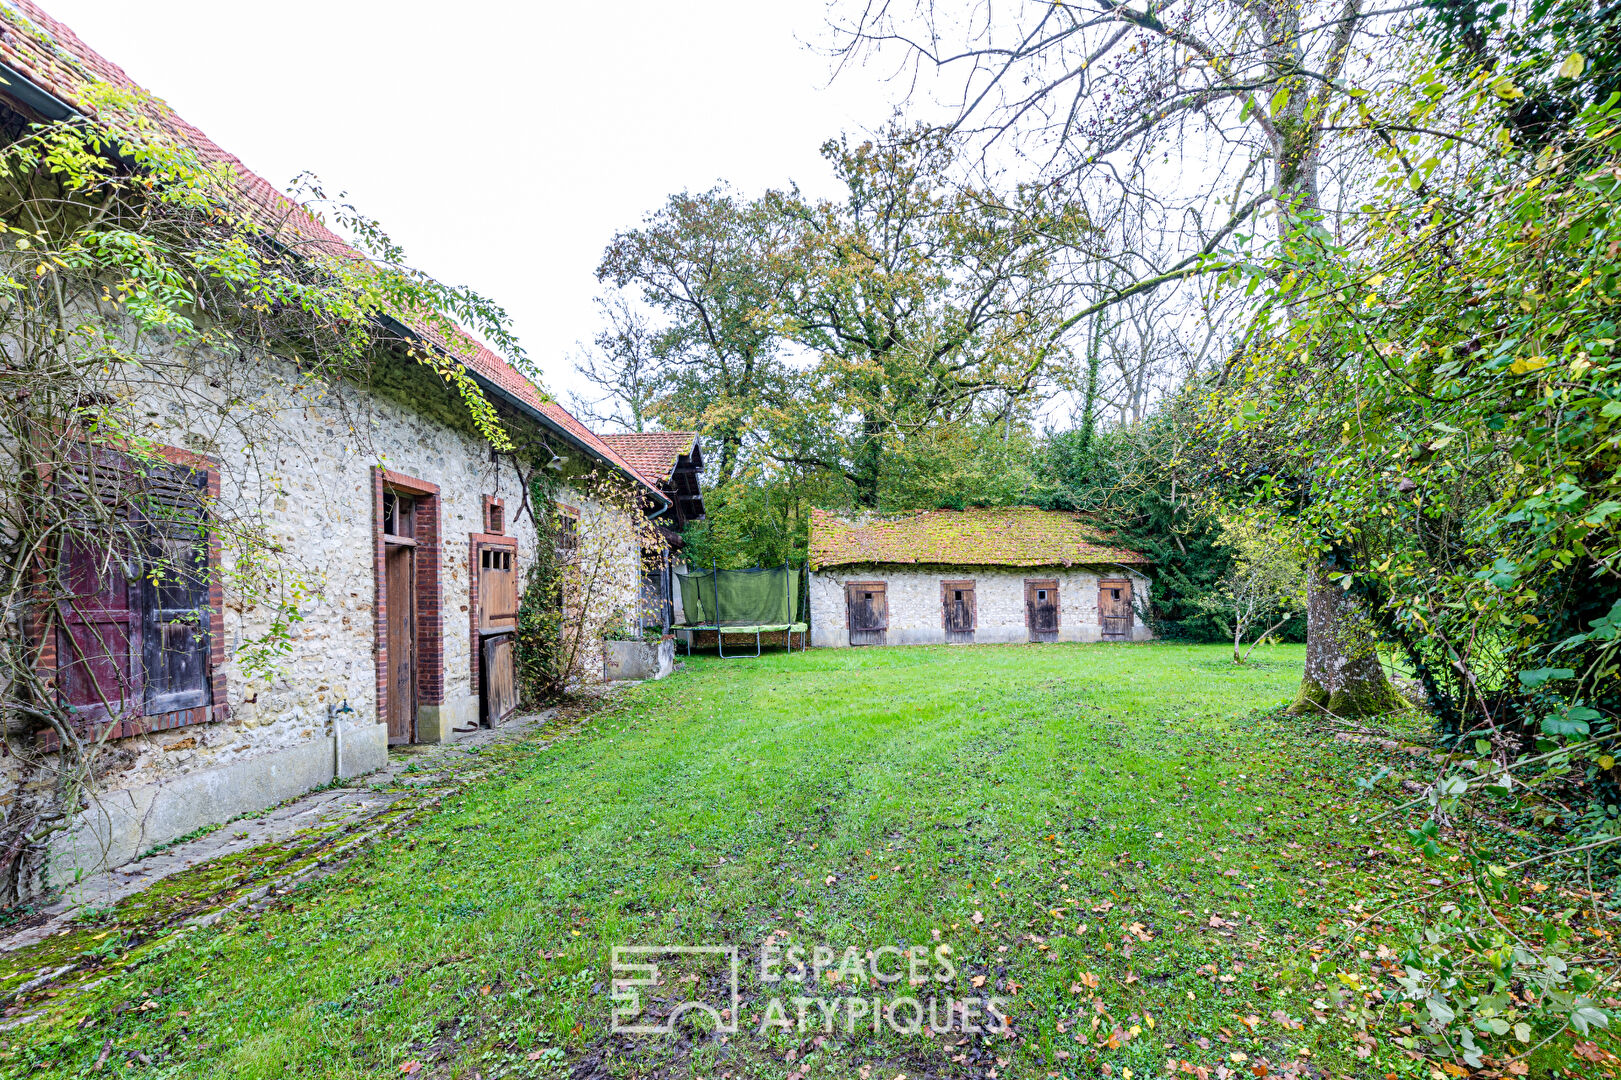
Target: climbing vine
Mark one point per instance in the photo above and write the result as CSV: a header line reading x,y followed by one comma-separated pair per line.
x,y
158,314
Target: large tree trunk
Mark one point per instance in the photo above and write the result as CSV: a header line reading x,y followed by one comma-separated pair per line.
x,y
1343,675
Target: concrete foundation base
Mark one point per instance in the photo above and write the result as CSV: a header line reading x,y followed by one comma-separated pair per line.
x,y
122,824
438,723
637,660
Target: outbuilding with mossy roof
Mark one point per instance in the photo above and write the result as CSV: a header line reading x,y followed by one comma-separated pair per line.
x,y
983,575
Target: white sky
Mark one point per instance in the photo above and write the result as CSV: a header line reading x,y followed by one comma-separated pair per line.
x,y
501,143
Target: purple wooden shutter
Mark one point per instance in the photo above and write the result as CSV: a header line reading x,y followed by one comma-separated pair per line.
x,y
98,650
175,610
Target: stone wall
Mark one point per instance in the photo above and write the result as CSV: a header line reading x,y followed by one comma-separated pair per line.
x,y
915,616
298,460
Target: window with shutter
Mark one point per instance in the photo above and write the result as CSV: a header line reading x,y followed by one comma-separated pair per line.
x,y
134,648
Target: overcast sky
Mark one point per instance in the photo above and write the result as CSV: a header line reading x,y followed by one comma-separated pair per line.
x,y
502,143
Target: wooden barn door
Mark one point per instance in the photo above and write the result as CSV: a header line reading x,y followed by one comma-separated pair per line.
x,y
399,571
496,565
866,606
1115,612
958,611
1041,608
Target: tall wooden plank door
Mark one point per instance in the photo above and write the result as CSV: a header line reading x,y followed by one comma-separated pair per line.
x,y
496,566
400,574
866,605
1115,611
1041,608
958,611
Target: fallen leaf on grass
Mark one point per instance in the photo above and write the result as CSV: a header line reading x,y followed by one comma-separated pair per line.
x,y
978,981
411,1067
976,918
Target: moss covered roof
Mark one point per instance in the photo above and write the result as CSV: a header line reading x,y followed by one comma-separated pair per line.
x,y
999,536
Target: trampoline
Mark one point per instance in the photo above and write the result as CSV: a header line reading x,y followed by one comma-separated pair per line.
x,y
762,600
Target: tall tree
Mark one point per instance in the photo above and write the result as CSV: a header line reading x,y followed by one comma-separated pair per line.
x,y
627,367
711,265
928,301
1247,91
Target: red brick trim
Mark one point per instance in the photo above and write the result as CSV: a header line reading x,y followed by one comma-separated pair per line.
x,y
429,617
45,654
495,513
476,541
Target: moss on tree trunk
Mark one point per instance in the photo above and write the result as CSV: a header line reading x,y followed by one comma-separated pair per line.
x,y
1343,675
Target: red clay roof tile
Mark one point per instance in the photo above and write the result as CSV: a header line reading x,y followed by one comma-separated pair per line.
x,y
653,454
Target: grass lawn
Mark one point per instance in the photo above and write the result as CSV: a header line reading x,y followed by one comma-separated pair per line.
x,y
1123,843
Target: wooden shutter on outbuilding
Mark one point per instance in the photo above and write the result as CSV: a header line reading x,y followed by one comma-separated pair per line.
x,y
1115,611
866,606
175,589
1041,608
958,611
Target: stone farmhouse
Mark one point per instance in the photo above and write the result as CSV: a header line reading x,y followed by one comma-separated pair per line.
x,y
415,532
975,576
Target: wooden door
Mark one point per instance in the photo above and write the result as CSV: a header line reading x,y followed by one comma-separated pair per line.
x,y
400,579
400,570
497,587
1115,612
866,605
1041,608
958,612
499,680
495,566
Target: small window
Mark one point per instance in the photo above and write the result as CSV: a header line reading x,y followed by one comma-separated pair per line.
x,y
1114,594
568,531
1041,594
958,594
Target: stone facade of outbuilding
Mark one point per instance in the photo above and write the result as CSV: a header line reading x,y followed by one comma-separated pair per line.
x,y
915,610
980,576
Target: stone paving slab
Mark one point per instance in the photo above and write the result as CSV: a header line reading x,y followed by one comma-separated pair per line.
x,y
346,810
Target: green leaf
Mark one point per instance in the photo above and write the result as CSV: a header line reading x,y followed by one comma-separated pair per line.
x,y
1541,675
1573,66
1279,102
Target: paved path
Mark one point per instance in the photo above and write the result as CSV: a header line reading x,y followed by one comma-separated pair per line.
x,y
348,816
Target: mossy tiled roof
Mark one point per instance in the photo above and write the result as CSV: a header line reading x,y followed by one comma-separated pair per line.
x,y
1002,536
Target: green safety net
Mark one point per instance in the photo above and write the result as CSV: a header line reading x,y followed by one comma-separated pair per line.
x,y
748,598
